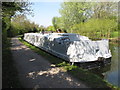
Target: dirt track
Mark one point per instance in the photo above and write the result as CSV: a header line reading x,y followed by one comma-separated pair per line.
x,y
36,72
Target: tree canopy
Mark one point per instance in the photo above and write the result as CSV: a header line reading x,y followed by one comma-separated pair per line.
x,y
88,18
9,10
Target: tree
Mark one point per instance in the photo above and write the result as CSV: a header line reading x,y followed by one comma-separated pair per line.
x,y
56,21
50,28
41,28
74,13
105,10
89,18
21,25
9,10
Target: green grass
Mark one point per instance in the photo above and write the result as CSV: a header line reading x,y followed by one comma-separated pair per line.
x,y
87,77
9,71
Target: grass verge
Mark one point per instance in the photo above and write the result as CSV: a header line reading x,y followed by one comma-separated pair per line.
x,y
9,71
85,76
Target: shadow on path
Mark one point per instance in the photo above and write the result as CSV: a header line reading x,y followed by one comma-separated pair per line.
x,y
36,72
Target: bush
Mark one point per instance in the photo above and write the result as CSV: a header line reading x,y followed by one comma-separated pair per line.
x,y
96,28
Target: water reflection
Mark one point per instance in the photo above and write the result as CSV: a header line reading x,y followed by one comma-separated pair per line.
x,y
111,71
112,74
101,70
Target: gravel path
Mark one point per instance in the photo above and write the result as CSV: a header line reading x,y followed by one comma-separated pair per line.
x,y
36,72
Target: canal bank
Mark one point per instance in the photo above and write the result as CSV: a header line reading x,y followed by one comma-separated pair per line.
x,y
114,40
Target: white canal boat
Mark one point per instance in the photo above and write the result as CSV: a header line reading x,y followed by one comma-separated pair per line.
x,y
69,46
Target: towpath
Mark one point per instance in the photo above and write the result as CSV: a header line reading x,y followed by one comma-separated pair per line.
x,y
34,71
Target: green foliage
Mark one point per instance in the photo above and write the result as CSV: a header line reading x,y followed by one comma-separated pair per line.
x,y
54,22
105,10
5,27
63,64
20,24
57,23
92,19
70,67
74,13
50,28
115,34
9,10
96,28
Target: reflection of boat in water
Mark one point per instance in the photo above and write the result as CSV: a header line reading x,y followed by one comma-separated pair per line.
x,y
102,70
95,65
71,47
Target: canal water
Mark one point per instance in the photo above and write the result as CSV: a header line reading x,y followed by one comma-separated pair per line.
x,y
111,72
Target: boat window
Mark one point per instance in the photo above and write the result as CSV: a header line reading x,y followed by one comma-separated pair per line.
x,y
63,35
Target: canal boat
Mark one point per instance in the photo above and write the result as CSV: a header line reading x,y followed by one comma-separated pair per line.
x,y
70,46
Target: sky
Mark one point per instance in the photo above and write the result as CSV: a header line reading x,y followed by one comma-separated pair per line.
x,y
44,12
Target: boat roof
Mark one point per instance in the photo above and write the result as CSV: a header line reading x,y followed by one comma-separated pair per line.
x,y
72,36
